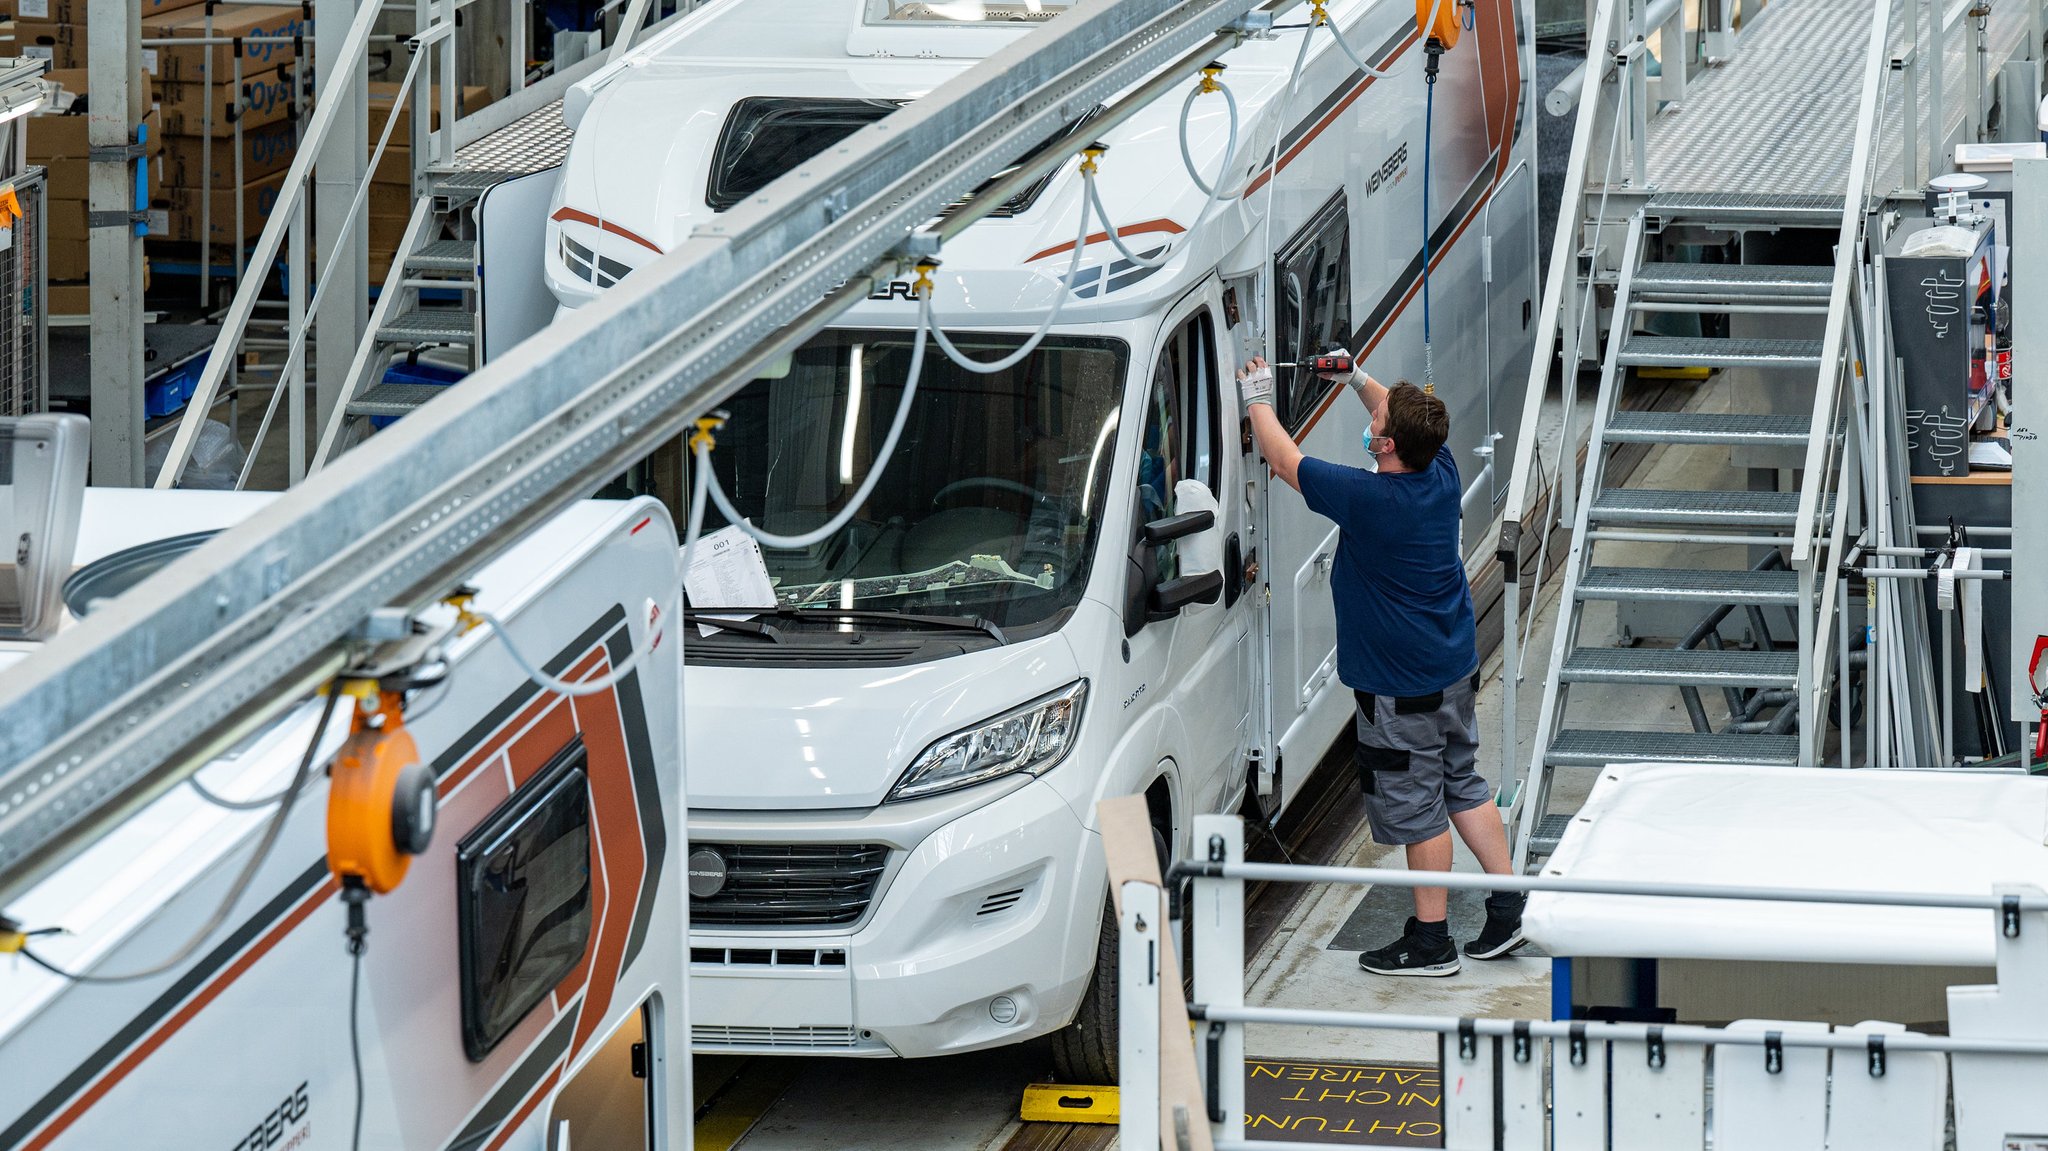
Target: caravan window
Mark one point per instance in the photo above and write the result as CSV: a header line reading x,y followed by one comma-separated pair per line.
x,y
523,899
767,136
1311,308
1180,426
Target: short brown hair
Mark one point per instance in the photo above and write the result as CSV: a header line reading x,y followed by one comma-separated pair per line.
x,y
1417,422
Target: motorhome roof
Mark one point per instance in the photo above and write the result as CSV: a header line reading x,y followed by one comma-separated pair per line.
x,y
114,887
712,61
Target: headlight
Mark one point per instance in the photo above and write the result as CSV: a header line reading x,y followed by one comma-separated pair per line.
x,y
1032,738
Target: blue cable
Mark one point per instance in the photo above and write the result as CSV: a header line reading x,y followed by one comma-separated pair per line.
x,y
1428,123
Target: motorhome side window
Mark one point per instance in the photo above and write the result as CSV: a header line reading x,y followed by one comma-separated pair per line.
x,y
1180,427
988,509
1311,307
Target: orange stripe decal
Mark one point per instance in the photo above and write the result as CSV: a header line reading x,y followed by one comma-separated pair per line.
x,y
1167,226
582,217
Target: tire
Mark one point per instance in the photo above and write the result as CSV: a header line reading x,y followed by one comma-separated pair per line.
x,y
1084,1052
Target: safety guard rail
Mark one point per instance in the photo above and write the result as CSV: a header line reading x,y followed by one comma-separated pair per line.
x,y
1515,1084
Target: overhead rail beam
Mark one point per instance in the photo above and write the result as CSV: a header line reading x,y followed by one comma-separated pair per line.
x,y
109,713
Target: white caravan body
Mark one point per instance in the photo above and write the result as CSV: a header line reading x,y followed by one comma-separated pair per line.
x,y
246,1045
837,913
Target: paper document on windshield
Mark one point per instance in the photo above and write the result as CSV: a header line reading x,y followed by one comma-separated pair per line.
x,y
728,571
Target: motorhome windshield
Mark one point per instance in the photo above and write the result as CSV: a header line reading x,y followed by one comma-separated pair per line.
x,y
988,507
962,11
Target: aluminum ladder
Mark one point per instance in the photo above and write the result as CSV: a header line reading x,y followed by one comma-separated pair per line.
x,y
1757,681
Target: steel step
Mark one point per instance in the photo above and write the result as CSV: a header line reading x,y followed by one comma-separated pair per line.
x,y
444,256
1746,209
393,399
429,326
1699,509
1734,281
1688,585
1699,667
1748,429
1700,352
1548,834
1591,747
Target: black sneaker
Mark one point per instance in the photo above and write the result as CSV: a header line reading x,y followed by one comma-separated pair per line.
x,y
1409,955
1502,934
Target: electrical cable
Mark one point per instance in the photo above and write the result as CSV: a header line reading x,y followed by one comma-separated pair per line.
x,y
1187,157
219,800
1208,206
241,883
1064,289
867,485
1434,52
1359,63
355,1040
625,667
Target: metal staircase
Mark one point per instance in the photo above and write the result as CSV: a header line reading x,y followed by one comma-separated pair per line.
x,y
430,304
1758,681
1701,581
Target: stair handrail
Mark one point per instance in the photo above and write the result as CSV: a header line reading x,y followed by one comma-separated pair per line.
x,y
326,110
358,371
1563,256
296,348
1848,253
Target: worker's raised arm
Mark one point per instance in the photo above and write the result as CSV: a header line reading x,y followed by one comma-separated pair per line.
x,y
1369,391
1283,455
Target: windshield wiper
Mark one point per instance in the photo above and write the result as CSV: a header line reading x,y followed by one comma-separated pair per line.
x,y
713,617
958,622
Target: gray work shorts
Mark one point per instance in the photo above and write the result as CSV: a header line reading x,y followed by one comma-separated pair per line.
x,y
1417,760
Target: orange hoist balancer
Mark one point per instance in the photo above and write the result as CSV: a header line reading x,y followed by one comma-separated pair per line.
x,y
380,802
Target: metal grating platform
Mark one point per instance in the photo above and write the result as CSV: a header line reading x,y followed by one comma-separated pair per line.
x,y
444,256
1744,281
1691,585
1590,747
1708,352
430,326
534,143
393,399
1698,666
1696,509
1754,430
1780,116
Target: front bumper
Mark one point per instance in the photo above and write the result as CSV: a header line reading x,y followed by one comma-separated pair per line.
x,y
973,938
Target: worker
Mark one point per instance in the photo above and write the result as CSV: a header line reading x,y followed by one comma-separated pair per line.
x,y
1405,648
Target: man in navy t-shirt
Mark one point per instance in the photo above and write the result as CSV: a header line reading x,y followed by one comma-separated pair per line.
x,y
1405,648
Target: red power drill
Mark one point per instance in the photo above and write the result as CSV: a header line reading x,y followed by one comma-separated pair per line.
x,y
1331,362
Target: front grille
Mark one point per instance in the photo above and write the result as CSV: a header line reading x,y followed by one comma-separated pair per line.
x,y
795,1038
768,956
802,884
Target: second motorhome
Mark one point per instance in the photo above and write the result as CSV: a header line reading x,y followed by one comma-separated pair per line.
x,y
1073,579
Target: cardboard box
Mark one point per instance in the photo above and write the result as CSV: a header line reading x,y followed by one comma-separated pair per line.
x,y
74,11
63,220
265,149
270,97
67,259
72,179
395,168
72,82
383,92
63,45
65,137
391,200
183,206
69,299
188,64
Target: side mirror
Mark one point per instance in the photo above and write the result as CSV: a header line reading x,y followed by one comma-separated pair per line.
x,y
1179,527
1169,598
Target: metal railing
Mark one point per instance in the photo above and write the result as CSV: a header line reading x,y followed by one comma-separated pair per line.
x,y
436,135
1514,1084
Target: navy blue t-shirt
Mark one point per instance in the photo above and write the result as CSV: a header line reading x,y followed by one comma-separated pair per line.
x,y
1404,608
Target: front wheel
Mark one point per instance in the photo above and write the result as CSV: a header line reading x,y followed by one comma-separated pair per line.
x,y
1084,1052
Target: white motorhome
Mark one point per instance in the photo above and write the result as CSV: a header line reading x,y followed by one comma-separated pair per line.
x,y
528,973
1072,580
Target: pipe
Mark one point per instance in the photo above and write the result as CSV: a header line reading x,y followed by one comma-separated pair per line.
x,y
1565,97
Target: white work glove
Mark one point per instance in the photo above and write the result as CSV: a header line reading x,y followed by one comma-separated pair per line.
x,y
1255,383
1355,381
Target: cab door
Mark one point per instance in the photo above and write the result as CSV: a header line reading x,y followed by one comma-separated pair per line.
x,y
1185,610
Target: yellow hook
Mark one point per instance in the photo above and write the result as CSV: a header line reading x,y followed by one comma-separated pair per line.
x,y
1209,74
702,439
922,286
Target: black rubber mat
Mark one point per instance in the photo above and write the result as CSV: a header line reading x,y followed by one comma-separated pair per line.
x,y
1383,914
